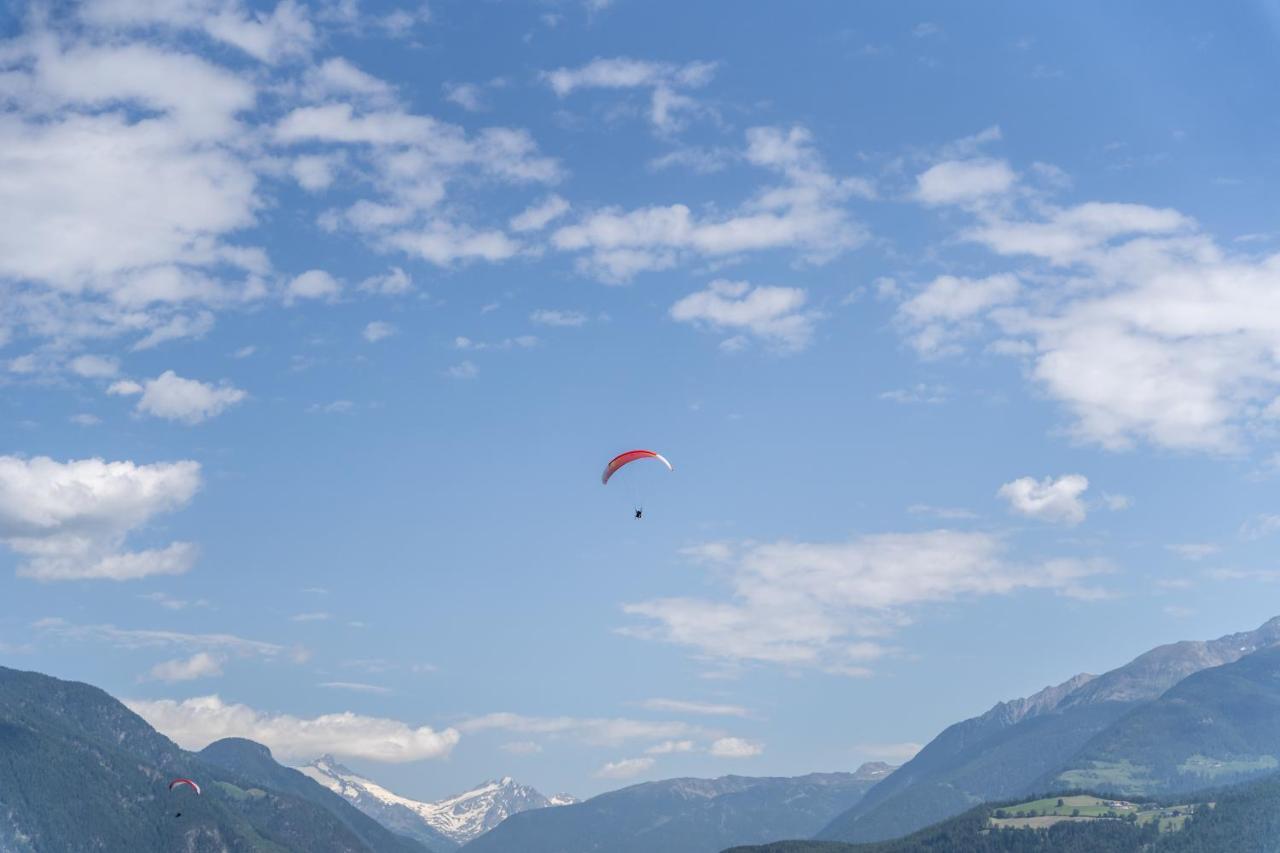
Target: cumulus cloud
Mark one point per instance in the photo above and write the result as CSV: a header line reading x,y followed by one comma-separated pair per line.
x,y
805,213
70,520
377,330
772,314
816,605
964,181
395,282
950,308
668,84
627,768
284,32
313,284
1141,325
463,370
1048,499
173,398
195,723
734,747
199,665
94,366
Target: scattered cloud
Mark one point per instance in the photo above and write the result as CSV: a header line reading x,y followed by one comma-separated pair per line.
x,y
377,330
627,768
85,419
734,747
314,616
551,317
313,284
199,665
521,747
681,706
950,308
173,398
354,686
805,213
1194,551
592,730
469,96
920,393
774,315
463,370
94,366
670,747
814,605
948,512
133,638
395,282
667,83
964,182
540,215
1048,499
69,520
195,723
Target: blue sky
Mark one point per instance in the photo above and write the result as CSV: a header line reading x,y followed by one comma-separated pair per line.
x,y
319,323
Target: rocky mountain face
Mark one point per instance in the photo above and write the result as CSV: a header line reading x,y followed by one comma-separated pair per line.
x,y
1020,744
684,815
80,771
443,824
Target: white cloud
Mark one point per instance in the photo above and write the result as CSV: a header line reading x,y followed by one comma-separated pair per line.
x,y
354,686
733,747
313,284
315,172
338,77
377,330
670,747
596,731
815,604
314,616
540,215
466,95
94,366
627,768
804,213
174,398
133,639
773,314
463,370
521,747
1048,499
195,723
552,317
667,83
70,519
199,665
395,282
681,706
918,394
85,419
950,308
964,181
284,32
1194,550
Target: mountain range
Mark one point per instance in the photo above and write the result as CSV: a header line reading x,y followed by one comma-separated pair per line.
x,y
442,825
1036,743
684,815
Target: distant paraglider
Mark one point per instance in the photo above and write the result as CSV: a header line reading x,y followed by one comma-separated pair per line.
x,y
180,782
627,458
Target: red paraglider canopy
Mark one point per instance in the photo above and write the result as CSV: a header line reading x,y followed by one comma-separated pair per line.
x,y
631,456
176,782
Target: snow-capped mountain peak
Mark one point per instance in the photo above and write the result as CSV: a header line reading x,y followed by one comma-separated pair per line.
x,y
459,818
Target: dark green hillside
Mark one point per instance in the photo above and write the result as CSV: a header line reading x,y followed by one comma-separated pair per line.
x,y
1217,726
80,772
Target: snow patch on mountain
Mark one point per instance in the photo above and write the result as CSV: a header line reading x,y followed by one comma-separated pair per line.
x,y
459,818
